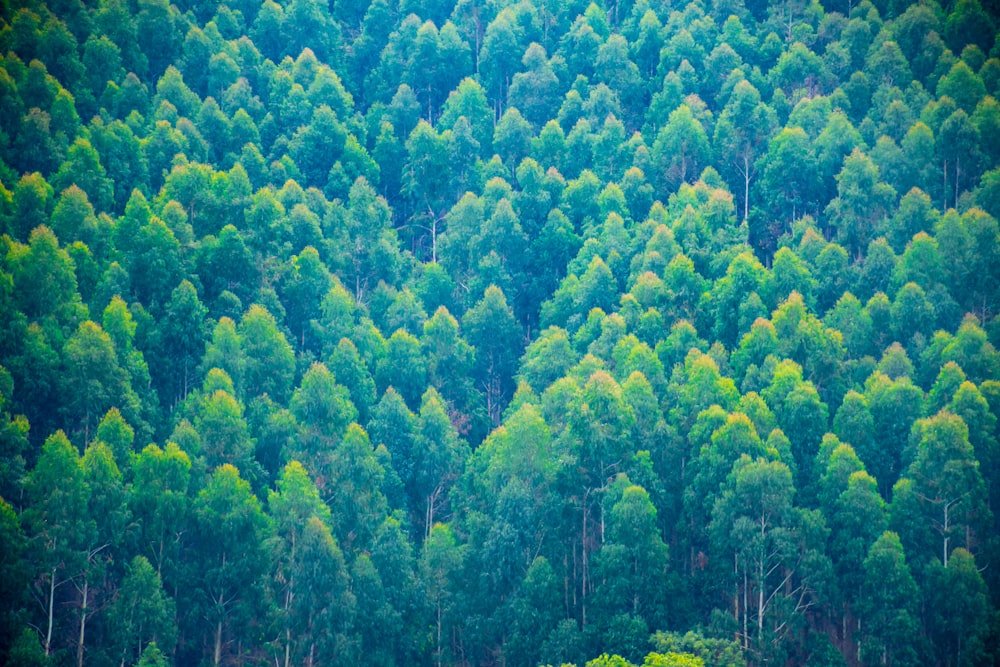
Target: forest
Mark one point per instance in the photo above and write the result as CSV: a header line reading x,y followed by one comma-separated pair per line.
x,y
499,333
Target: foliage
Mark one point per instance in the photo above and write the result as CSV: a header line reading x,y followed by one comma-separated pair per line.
x,y
474,333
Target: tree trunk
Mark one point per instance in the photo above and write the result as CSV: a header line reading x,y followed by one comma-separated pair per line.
x,y
958,172
760,604
83,623
746,188
859,640
944,556
52,601
746,613
439,631
434,238
583,556
217,655
944,186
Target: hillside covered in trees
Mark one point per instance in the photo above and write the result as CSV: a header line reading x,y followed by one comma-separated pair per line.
x,y
423,332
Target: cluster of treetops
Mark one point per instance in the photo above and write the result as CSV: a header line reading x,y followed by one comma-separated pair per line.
x,y
499,333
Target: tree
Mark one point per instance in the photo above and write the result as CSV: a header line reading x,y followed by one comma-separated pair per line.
x,y
500,240
681,149
121,328
774,550
534,616
438,455
318,145
425,181
354,491
947,480
958,143
856,520
744,127
800,412
152,656
309,577
36,147
887,608
45,285
730,294
224,352
308,282
182,341
970,263
968,23
351,372
862,202
512,137
440,564
94,379
107,505
493,331
716,442
373,246
498,57
961,610
224,434
402,367
469,100
713,651
600,424
58,523
449,362
158,501
83,168
633,562
326,607
14,567
614,68
894,406
309,24
269,359
142,615
963,86
230,530
534,91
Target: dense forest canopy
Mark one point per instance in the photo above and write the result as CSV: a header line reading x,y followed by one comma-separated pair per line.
x,y
499,333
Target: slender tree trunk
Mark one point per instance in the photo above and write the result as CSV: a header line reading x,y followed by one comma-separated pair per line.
x,y
52,602
566,586
289,595
434,238
746,614
944,186
477,48
760,604
439,631
958,172
83,623
159,557
746,188
736,588
217,655
944,556
859,640
583,576
601,510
